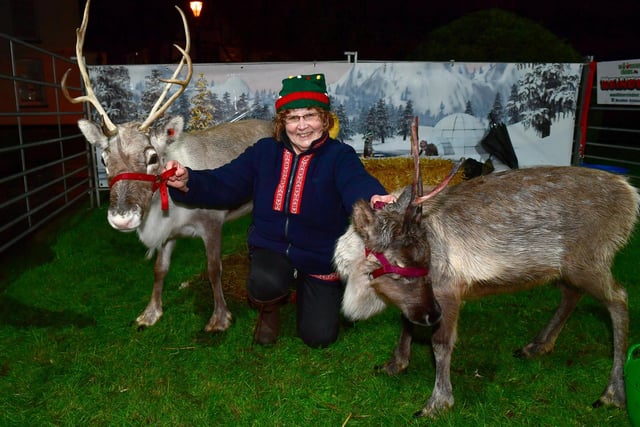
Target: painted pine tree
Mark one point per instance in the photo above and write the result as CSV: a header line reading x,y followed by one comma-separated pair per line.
x,y
201,112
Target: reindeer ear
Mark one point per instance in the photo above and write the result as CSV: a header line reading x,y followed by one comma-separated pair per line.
x,y
93,133
417,214
162,137
363,220
412,218
173,129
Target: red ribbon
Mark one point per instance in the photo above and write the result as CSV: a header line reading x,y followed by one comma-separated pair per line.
x,y
159,182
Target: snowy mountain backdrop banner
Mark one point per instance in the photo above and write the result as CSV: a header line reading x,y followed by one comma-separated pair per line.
x,y
376,101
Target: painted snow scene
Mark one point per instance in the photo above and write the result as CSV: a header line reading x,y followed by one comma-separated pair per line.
x,y
453,102
375,102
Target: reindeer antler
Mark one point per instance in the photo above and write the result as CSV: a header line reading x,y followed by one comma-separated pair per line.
x,y
108,127
417,179
416,189
441,186
158,110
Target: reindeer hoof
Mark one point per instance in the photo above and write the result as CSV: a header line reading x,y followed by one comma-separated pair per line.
x,y
149,317
423,413
426,412
612,397
533,349
219,323
435,408
520,354
215,328
419,414
138,326
390,368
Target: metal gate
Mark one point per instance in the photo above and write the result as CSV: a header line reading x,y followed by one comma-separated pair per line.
x,y
45,162
613,138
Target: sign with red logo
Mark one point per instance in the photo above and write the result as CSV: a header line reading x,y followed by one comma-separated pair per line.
x,y
619,82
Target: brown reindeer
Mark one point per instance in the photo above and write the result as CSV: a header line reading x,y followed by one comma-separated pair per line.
x,y
135,154
492,234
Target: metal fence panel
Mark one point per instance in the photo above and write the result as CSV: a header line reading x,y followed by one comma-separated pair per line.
x,y
46,166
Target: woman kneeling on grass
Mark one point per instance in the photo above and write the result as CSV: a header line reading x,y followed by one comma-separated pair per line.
x,y
303,184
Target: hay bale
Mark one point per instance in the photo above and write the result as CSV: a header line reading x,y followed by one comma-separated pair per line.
x,y
397,172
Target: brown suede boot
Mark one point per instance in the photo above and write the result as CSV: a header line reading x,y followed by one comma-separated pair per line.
x,y
268,324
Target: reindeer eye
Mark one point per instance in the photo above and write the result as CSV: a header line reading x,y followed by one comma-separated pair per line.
x,y
151,159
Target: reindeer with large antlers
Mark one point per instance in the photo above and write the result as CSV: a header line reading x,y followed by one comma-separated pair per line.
x,y
492,234
135,154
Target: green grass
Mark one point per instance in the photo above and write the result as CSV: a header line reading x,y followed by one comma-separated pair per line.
x,y
71,355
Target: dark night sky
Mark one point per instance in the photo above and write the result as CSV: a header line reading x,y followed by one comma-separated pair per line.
x,y
324,30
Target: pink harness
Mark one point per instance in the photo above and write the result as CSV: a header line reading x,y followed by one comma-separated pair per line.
x,y
387,267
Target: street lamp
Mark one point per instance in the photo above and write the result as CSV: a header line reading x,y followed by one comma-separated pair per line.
x,y
196,7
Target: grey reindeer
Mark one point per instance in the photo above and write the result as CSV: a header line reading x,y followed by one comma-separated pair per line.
x,y
134,155
493,234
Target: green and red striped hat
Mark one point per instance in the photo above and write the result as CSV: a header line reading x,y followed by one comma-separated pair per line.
x,y
303,91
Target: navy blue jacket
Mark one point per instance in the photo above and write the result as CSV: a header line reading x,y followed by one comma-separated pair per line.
x,y
301,203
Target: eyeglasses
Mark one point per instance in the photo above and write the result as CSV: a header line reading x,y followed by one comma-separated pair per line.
x,y
308,118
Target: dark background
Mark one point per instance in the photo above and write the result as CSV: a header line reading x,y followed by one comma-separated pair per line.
x,y
323,30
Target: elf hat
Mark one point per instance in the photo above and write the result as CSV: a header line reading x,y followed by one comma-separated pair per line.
x,y
303,91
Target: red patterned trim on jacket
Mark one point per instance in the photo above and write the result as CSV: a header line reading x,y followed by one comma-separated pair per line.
x,y
298,184
281,189
332,277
